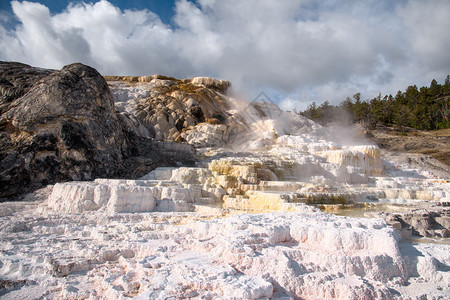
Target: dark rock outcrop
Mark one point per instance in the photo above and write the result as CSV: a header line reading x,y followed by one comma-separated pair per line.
x,y
16,79
432,222
61,125
56,126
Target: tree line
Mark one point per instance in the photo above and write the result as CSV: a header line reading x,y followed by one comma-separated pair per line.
x,y
427,108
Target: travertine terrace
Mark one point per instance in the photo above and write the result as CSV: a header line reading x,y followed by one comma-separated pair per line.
x,y
243,223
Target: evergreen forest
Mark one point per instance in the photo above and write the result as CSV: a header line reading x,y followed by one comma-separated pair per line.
x,y
425,108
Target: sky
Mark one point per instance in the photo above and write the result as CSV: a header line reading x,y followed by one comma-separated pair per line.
x,y
295,51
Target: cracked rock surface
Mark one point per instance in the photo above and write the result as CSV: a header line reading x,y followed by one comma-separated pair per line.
x,y
60,126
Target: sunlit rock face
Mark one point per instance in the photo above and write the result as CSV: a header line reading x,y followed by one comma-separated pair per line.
x,y
206,135
163,107
220,85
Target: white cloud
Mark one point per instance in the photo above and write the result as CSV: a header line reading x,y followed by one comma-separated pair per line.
x,y
307,50
428,35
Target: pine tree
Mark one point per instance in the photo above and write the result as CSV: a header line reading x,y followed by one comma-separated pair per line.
x,y
427,108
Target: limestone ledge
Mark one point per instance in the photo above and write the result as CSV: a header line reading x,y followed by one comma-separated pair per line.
x,y
239,187
121,196
368,158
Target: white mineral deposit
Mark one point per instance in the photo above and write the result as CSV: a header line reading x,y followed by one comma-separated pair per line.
x,y
244,223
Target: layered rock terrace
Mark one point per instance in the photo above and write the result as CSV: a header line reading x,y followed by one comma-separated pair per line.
x,y
218,198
